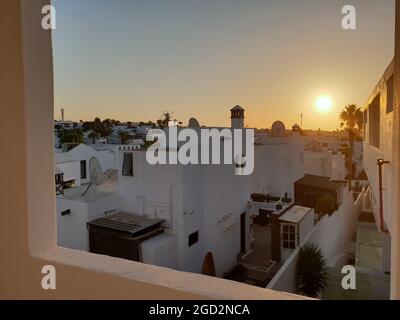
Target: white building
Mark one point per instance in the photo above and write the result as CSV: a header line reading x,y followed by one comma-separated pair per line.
x,y
67,125
205,207
296,225
381,162
74,164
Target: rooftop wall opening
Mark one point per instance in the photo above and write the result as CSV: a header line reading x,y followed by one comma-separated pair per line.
x,y
390,94
374,121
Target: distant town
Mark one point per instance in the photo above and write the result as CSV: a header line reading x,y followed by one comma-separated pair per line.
x,y
308,187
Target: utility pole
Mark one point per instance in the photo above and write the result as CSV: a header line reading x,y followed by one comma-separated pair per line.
x,y
301,121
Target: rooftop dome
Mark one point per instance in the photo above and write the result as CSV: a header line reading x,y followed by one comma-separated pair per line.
x,y
278,129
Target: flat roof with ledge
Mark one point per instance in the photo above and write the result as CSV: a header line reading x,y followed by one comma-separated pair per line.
x,y
76,194
295,214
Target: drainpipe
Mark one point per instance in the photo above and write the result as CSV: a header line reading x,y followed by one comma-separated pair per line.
x,y
380,164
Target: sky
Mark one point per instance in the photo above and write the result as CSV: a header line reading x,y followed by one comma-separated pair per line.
x,y
131,60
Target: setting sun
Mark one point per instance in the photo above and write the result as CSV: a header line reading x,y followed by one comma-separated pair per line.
x,y
323,103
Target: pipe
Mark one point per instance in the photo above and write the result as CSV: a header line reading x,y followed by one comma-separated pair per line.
x,y
380,163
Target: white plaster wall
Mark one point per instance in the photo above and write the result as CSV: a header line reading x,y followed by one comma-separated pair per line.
x,y
192,217
278,164
337,170
316,163
201,194
71,169
285,278
84,152
161,251
306,226
72,232
371,155
331,234
226,194
385,151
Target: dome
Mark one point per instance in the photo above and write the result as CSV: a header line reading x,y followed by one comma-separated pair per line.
x,y
278,129
193,123
237,108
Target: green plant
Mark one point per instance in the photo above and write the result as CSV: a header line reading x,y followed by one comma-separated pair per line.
x,y
125,136
352,121
311,271
71,136
326,204
93,135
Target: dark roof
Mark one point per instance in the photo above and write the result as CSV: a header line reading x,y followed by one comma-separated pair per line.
x,y
126,222
319,182
237,108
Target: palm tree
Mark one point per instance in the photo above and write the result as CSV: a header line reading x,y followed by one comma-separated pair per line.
x,y
125,136
352,121
93,135
311,271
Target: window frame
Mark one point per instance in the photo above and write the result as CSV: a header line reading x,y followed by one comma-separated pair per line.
x,y
374,118
193,238
390,94
83,167
289,237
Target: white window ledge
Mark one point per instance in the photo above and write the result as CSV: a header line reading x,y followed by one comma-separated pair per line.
x,y
207,287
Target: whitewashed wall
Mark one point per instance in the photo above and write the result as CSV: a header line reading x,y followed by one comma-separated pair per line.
x,y
72,232
331,234
80,153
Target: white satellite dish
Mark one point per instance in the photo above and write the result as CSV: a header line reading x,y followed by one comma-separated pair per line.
x,y
96,175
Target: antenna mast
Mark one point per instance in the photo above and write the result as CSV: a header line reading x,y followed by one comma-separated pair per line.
x,y
301,121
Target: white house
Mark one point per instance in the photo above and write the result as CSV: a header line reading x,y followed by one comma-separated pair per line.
x,y
296,224
381,162
205,207
75,163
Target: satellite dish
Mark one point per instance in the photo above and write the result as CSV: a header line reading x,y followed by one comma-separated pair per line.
x,y
96,175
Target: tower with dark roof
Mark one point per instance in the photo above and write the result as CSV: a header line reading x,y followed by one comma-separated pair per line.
x,y
237,117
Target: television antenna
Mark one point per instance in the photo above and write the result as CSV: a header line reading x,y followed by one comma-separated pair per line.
x,y
96,175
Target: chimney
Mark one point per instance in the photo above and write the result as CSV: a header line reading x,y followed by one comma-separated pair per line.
x,y
237,117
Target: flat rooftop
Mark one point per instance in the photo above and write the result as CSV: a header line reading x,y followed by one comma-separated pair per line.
x,y
94,194
319,182
127,222
295,214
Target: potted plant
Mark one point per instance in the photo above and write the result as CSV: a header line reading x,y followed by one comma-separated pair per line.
x,y
311,271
